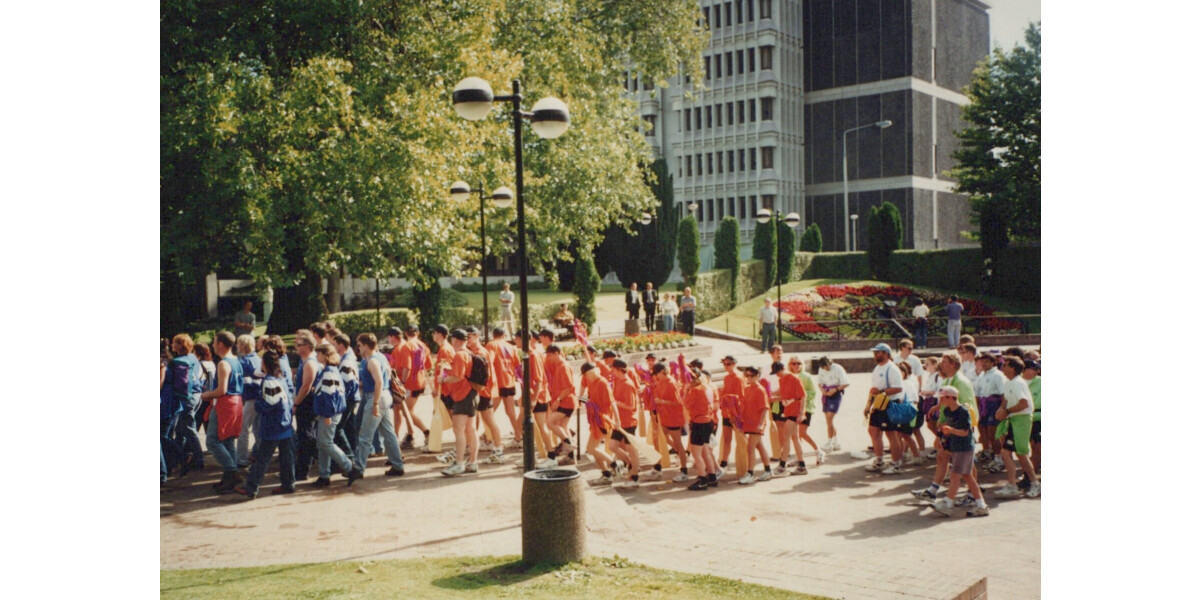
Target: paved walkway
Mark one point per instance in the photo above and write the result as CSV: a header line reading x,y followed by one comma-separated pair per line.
x,y
838,532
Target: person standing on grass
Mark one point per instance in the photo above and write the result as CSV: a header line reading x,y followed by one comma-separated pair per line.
x,y
306,420
687,311
251,388
755,405
273,430
699,399
1016,425
462,412
243,322
225,413
887,380
506,302
649,304
669,309
633,302
329,402
375,381
959,442
920,314
833,381
768,317
954,312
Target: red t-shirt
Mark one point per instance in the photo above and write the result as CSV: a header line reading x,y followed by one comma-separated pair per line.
x,y
602,396
505,363
562,382
699,407
754,405
459,367
791,388
402,358
625,394
734,385
670,409
537,377
489,389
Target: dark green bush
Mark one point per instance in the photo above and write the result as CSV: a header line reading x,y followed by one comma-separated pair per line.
x,y
689,249
765,248
725,251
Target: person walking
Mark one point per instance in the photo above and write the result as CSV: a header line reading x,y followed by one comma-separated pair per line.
x,y
669,311
886,381
304,379
186,378
920,314
251,388
329,402
374,379
954,312
768,316
633,302
649,303
461,391
833,381
687,311
273,430
225,412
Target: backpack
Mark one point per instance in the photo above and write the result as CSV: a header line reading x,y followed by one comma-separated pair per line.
x,y
899,413
478,376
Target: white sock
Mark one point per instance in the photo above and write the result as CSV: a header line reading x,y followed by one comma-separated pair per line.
x,y
980,503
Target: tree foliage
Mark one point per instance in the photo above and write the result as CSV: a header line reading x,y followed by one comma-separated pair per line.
x,y
885,234
298,139
427,300
587,283
999,161
765,248
810,240
787,251
640,253
688,249
725,251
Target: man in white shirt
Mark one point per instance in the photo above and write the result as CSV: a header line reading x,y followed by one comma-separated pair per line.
x,y
914,363
1017,424
767,319
833,381
920,314
506,300
885,379
989,393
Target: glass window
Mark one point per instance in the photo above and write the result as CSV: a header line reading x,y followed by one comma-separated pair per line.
x,y
699,166
720,208
706,16
765,57
741,104
753,117
720,162
698,115
707,68
650,119
750,58
716,17
718,65
753,159
729,63
688,162
687,119
741,60
764,9
708,163
742,160
719,111
739,10
741,207
708,116
768,201
729,112
768,157
710,209
729,160
750,12
768,108
729,13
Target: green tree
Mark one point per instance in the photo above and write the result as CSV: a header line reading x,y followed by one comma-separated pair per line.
x,y
765,248
587,283
688,243
811,241
427,300
999,161
787,251
644,252
725,251
885,234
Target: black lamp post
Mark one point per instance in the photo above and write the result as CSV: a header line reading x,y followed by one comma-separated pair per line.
x,y
765,215
550,118
502,198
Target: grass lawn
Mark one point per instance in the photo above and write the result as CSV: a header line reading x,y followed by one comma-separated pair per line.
x,y
743,319
459,577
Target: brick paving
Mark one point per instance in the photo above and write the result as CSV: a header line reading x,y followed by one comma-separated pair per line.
x,y
839,531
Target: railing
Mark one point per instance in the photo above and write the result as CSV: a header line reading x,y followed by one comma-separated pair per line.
x,y
888,328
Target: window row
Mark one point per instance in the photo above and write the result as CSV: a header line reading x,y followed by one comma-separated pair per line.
x,y
726,161
743,61
740,207
742,11
720,115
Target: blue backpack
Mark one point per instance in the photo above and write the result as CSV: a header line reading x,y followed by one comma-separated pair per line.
x,y
899,413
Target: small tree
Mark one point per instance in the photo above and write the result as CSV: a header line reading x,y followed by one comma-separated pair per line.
x,y
427,300
787,251
725,251
766,249
587,283
811,240
688,249
885,233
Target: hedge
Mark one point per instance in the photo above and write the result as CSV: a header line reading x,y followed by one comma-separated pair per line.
x,y
457,316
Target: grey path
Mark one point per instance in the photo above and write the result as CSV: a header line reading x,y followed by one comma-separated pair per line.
x,y
839,531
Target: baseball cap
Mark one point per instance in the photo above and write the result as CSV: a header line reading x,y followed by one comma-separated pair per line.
x,y
881,347
442,329
696,363
729,359
458,334
1033,364
619,364
395,331
751,369
651,355
609,354
472,330
948,390
586,367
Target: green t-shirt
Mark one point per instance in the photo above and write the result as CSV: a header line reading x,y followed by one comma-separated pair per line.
x,y
810,392
1035,388
966,392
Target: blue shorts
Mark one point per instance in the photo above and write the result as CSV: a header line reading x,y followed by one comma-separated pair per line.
x,y
987,410
831,404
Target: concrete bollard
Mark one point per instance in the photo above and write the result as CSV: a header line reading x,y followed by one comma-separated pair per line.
x,y
553,523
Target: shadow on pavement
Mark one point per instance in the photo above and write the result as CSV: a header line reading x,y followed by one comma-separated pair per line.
x,y
920,517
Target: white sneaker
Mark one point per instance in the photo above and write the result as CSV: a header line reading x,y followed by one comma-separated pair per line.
x,y
923,495
931,453
836,446
680,478
653,475
628,485
860,455
472,468
964,501
603,480
548,463
486,445
620,470
913,461
496,458
977,511
721,472
766,476
876,466
942,505
446,458
425,448
780,470
997,466
454,470
893,468
746,479
820,457
1007,490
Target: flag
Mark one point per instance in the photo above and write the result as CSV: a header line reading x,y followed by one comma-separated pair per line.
x,y
593,415
685,374
580,333
731,405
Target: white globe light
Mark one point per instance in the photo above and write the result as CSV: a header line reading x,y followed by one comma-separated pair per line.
x,y
763,215
502,197
646,218
550,118
459,191
792,220
473,98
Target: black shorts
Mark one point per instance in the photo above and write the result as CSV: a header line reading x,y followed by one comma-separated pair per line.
x,y
484,404
508,392
879,419
905,429
779,418
618,436
1035,434
726,423
449,402
680,428
541,407
567,411
466,406
701,433
920,421
807,419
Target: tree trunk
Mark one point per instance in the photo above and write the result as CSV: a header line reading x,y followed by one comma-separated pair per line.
x,y
333,297
298,306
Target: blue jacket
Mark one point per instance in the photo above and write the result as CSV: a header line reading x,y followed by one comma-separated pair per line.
x,y
329,394
274,409
251,385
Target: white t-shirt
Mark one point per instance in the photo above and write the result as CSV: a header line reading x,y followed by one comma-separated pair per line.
x,y
990,383
915,364
931,383
668,308
767,314
888,375
968,371
920,311
506,296
1014,390
911,395
835,375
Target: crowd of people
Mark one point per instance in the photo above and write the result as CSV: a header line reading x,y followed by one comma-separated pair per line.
x,y
346,401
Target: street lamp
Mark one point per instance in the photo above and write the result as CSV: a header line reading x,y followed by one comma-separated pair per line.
x,y
764,215
502,198
845,171
549,119
854,233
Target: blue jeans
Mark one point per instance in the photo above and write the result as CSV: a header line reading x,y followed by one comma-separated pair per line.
x,y
346,436
171,454
326,449
187,431
262,457
249,420
921,333
668,323
381,424
224,452
768,336
953,331
162,465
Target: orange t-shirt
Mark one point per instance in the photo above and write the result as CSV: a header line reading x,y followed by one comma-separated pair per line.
x,y
402,358
734,385
699,407
562,382
602,396
489,389
791,388
754,404
625,392
505,363
666,395
459,367
445,355
537,377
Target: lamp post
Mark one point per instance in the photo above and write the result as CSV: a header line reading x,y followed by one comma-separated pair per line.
x,y
845,171
765,215
854,233
502,197
549,119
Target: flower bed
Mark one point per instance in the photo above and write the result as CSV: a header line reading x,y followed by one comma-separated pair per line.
x,y
860,307
636,343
